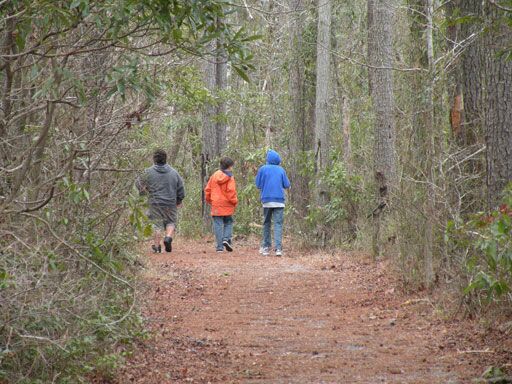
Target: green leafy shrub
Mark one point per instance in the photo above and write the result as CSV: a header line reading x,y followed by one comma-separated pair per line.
x,y
340,213
486,240
345,193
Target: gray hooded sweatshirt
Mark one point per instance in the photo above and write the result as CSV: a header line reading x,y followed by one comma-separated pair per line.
x,y
163,184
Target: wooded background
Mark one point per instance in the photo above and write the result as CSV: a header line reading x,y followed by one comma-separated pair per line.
x,y
393,118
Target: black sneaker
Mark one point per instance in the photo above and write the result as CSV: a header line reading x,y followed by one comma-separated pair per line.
x,y
168,243
156,248
227,245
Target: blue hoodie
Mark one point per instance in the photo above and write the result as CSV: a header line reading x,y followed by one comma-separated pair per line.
x,y
271,179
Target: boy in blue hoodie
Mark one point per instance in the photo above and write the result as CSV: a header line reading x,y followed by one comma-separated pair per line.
x,y
271,180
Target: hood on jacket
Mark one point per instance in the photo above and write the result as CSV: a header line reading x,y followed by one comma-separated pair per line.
x,y
273,157
165,168
220,177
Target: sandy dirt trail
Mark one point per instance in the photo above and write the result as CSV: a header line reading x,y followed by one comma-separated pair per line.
x,y
303,318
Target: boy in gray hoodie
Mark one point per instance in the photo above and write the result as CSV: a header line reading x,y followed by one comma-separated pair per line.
x,y
165,190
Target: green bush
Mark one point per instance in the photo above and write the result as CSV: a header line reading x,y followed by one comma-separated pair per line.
x,y
339,216
69,304
486,242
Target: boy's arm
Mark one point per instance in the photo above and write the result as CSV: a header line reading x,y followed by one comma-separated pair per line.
x,y
286,182
180,191
231,192
208,192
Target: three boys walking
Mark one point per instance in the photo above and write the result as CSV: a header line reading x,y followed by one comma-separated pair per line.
x,y
164,187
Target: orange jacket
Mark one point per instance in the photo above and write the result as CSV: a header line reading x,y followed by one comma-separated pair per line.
x,y
221,194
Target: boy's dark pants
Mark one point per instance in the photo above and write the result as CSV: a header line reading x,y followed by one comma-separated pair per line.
x,y
223,229
278,215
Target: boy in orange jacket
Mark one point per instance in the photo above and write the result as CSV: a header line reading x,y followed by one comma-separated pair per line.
x,y
220,193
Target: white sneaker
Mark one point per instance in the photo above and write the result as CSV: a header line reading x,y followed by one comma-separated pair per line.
x,y
279,252
264,251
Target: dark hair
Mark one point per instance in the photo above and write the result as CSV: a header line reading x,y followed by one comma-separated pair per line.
x,y
160,157
225,163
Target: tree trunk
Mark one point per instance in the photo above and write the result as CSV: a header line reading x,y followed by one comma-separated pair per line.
x,y
345,118
298,143
6,48
347,142
177,140
347,160
455,76
269,84
220,85
323,80
380,59
498,106
472,73
214,127
487,69
430,153
464,87
209,135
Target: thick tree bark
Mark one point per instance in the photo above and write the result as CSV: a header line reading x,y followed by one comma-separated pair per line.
x,y
487,69
380,59
466,111
498,106
472,73
323,81
455,75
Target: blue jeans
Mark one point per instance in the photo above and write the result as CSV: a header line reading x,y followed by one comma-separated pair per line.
x,y
223,228
278,214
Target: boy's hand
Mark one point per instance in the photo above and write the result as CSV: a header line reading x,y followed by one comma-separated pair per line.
x,y
179,205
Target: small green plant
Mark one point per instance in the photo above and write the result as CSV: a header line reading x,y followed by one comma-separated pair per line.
x,y
138,218
5,278
77,192
493,375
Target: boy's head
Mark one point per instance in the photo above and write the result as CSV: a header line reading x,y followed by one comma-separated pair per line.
x,y
160,157
226,163
273,157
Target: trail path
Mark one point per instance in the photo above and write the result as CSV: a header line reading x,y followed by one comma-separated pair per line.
x,y
304,318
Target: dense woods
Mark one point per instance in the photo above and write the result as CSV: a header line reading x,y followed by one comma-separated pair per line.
x,y
393,118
